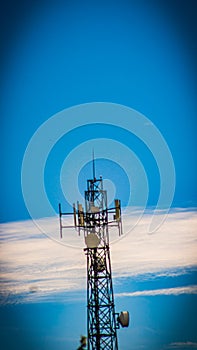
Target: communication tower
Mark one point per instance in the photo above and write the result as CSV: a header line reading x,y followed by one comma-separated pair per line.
x,y
94,222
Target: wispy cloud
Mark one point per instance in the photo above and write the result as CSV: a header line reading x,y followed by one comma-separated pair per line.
x,y
163,291
33,263
182,345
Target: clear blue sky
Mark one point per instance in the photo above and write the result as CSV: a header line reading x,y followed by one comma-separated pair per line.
x,y
57,54
60,54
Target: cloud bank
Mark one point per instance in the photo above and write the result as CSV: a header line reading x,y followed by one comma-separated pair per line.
x,y
32,264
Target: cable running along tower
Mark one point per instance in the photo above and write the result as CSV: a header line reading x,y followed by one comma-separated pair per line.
x,y
94,222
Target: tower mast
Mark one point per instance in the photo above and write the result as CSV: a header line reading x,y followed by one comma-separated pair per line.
x,y
95,221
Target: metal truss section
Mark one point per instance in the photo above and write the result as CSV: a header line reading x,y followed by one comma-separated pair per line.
x,y
102,323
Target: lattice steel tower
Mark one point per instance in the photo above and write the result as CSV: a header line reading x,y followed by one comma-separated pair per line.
x,y
94,222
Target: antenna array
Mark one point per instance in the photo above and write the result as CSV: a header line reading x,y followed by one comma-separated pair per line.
x,y
94,222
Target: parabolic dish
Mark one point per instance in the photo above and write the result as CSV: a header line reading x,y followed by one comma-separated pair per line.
x,y
92,240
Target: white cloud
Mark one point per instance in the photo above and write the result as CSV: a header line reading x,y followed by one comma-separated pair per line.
x,y
163,291
31,262
182,345
174,245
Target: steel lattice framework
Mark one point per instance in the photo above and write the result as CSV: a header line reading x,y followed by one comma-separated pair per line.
x,y
94,221
102,322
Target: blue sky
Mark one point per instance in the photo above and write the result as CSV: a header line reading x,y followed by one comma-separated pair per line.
x,y
141,54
